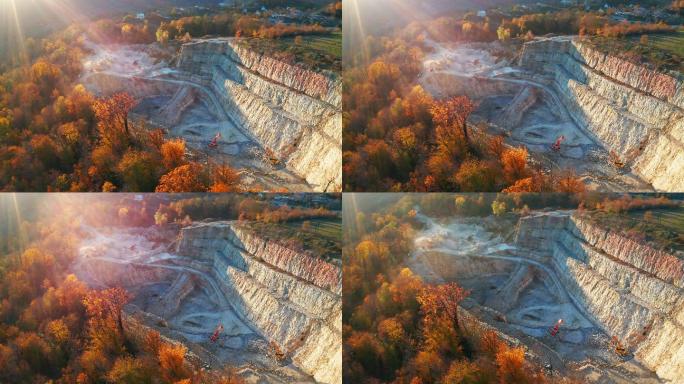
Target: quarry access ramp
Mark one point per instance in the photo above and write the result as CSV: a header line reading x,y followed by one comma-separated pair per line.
x,y
291,113
287,298
601,283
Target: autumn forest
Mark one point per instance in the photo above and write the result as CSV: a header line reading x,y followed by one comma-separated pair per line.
x,y
57,136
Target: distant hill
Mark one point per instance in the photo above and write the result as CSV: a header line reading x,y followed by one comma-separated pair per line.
x,y
382,16
38,15
38,18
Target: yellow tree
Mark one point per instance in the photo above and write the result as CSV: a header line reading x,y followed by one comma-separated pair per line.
x,y
450,116
439,307
514,163
225,179
511,365
172,362
112,114
173,153
105,311
190,177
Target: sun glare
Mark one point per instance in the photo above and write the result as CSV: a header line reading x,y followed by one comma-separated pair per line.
x,y
363,18
21,18
13,33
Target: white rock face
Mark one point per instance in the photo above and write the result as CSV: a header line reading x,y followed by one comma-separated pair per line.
x,y
294,112
630,290
293,299
636,112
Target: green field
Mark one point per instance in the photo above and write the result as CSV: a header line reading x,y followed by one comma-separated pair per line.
x,y
317,52
663,51
326,228
662,228
320,236
331,44
672,42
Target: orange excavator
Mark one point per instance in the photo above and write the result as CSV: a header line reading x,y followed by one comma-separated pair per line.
x,y
556,328
619,348
217,333
557,145
214,141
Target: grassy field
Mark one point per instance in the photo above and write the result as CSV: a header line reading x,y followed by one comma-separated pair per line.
x,y
673,42
326,228
322,237
662,228
331,44
663,51
317,52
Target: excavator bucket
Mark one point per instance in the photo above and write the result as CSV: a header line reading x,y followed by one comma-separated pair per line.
x,y
214,141
557,145
217,333
556,328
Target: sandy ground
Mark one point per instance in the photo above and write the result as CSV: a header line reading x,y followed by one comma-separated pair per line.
x,y
464,60
130,60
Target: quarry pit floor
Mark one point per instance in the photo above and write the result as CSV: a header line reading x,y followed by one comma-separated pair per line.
x,y
189,110
516,293
181,299
525,111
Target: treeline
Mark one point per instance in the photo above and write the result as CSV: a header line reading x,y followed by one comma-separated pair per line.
x,y
185,28
566,22
627,29
397,329
678,5
398,138
335,9
108,31
236,207
570,22
230,24
628,203
652,220
53,328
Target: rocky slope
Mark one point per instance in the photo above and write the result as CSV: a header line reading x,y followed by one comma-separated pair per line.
x,y
262,292
628,289
292,299
294,112
287,112
633,111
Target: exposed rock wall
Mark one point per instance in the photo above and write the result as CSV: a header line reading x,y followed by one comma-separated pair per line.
x,y
476,87
636,112
294,112
514,112
630,290
106,273
450,268
106,83
293,299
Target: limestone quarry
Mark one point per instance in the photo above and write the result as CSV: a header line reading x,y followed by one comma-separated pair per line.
x,y
526,274
279,124
280,308
623,124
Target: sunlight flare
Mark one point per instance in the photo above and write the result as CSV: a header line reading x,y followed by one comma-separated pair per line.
x,y
9,16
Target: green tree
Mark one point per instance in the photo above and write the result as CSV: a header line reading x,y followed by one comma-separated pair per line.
x,y
499,207
139,171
